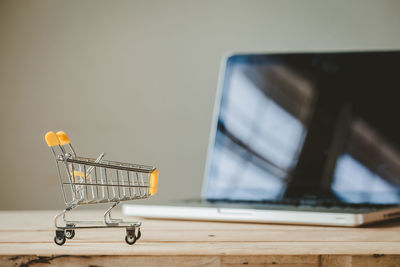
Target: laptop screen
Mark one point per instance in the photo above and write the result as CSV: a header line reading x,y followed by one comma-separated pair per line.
x,y
316,125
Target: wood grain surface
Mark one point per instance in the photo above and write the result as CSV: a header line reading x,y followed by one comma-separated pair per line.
x,y
26,239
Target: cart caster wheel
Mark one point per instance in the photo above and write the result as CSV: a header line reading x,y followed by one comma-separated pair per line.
x,y
130,239
139,234
69,234
59,240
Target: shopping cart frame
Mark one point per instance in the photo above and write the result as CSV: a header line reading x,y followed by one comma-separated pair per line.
x,y
81,183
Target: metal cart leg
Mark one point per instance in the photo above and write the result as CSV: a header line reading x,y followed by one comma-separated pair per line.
x,y
61,233
63,215
108,220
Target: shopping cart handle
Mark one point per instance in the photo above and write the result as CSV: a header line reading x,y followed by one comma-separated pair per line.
x,y
51,139
63,137
153,182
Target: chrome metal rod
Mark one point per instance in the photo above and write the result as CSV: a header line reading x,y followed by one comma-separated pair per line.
x,y
63,215
108,214
99,158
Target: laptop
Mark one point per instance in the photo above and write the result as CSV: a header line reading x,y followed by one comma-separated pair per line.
x,y
300,138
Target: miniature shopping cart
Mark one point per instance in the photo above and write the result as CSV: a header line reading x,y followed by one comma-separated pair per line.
x,y
92,181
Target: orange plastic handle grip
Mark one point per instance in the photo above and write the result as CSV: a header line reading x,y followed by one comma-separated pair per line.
x,y
63,137
52,139
154,182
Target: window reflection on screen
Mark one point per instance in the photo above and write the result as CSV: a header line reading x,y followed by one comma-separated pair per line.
x,y
261,128
368,170
321,126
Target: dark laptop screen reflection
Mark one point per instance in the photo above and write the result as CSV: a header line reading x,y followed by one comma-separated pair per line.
x,y
280,115
367,171
261,128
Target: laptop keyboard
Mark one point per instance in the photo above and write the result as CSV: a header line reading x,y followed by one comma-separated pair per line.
x,y
308,204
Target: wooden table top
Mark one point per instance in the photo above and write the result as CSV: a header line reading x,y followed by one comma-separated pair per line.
x,y
27,237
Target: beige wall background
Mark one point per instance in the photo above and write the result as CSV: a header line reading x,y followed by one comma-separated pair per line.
x,y
137,79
